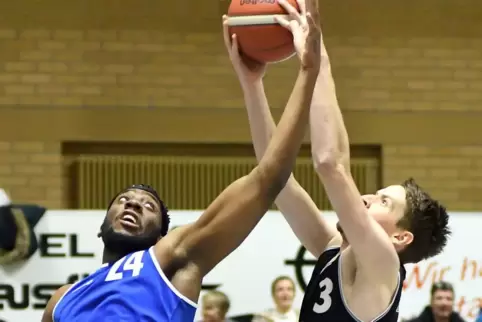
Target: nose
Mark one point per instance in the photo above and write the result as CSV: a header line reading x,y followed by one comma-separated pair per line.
x,y
367,200
133,204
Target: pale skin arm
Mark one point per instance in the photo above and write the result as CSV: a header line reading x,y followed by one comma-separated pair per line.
x,y
293,201
375,255
237,210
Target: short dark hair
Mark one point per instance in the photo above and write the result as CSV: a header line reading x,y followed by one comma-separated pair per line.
x,y
441,286
427,220
163,208
165,218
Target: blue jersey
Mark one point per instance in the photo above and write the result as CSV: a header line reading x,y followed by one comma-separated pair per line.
x,y
133,289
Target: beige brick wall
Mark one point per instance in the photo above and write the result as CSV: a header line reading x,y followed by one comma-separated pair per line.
x,y
32,172
452,174
152,68
64,67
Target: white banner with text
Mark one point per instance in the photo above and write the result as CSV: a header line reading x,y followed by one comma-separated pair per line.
x,y
69,249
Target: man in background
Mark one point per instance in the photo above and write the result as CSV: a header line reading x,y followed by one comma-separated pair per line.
x,y
441,308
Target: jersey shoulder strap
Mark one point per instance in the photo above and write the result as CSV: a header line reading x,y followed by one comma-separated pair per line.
x,y
325,257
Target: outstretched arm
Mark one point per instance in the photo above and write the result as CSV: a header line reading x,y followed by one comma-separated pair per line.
x,y
293,201
236,211
373,250
49,309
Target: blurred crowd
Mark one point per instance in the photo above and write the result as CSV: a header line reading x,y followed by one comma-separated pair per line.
x,y
215,305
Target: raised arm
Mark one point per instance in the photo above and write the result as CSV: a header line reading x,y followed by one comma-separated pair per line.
x,y
293,201
373,249
236,211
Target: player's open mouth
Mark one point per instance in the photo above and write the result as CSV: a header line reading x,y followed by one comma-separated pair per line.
x,y
129,219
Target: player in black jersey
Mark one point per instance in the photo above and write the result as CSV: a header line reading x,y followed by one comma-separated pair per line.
x,y
359,273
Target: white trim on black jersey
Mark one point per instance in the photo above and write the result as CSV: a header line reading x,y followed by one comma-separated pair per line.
x,y
381,315
167,281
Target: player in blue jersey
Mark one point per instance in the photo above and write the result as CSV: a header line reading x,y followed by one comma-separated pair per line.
x,y
151,275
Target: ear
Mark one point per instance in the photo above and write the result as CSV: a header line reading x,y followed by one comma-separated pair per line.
x,y
402,238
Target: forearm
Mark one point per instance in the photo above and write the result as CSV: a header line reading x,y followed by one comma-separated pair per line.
x,y
329,138
280,156
293,201
262,126
261,122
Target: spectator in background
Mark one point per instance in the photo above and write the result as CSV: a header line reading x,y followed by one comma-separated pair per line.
x,y
17,238
479,317
283,293
441,308
215,306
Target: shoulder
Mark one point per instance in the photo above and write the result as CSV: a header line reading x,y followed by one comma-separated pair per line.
x,y
49,309
169,250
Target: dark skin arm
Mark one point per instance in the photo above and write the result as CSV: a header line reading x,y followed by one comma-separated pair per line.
x,y
236,211
188,253
49,310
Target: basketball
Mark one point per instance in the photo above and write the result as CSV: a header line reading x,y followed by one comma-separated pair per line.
x,y
260,37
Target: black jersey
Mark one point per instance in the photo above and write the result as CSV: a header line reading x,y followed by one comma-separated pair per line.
x,y
324,301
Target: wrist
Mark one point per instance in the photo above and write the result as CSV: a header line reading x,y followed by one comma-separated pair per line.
x,y
310,73
252,85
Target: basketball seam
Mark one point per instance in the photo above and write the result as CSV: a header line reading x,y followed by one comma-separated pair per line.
x,y
253,20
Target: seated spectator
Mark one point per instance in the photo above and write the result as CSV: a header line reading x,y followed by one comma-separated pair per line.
x,y
441,306
283,293
215,306
479,317
17,238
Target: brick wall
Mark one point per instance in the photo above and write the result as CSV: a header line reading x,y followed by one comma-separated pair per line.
x,y
66,64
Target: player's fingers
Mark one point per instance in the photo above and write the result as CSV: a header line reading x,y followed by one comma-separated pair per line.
x,y
283,22
294,14
294,26
227,39
235,46
302,6
311,7
314,28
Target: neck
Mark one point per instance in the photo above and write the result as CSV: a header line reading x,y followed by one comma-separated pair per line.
x,y
440,319
283,310
109,257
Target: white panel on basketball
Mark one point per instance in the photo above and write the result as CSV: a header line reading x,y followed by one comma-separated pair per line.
x,y
253,20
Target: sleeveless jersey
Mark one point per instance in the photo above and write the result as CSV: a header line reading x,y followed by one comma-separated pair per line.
x,y
133,289
324,301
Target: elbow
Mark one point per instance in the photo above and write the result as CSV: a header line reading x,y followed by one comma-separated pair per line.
x,y
326,164
271,177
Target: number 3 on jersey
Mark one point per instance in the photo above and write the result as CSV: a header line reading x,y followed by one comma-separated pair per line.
x,y
326,287
131,263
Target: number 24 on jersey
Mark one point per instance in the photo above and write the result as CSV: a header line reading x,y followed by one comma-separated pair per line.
x,y
132,263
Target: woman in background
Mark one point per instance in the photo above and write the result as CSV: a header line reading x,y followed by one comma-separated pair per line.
x,y
283,293
215,307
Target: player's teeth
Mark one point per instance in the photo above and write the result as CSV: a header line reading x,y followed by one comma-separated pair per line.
x,y
130,218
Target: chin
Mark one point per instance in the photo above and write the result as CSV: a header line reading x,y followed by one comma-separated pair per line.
x,y
124,232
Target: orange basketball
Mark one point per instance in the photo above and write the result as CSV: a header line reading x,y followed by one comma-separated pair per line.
x,y
259,36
